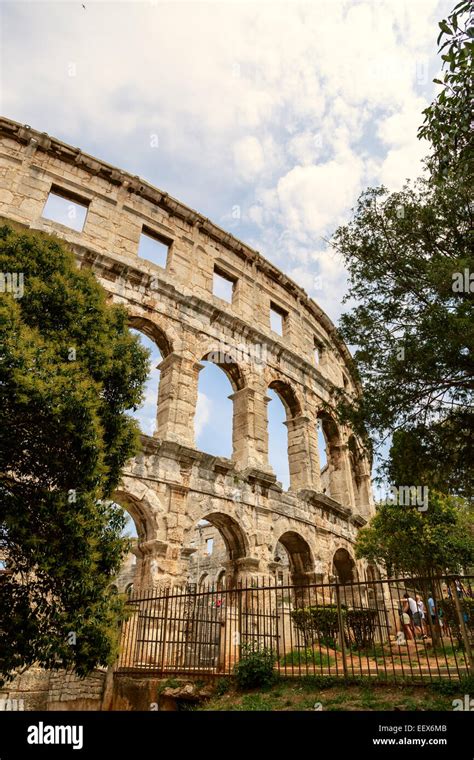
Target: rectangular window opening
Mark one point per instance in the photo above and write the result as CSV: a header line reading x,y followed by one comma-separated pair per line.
x,y
209,545
66,208
153,247
317,351
223,285
277,318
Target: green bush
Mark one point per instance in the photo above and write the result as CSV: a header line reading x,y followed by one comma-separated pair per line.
x,y
255,667
318,623
361,624
222,686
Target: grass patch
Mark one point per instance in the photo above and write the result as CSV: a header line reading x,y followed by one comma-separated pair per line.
x,y
306,693
308,656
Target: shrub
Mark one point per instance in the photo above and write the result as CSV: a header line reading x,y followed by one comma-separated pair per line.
x,y
319,622
361,624
222,686
255,667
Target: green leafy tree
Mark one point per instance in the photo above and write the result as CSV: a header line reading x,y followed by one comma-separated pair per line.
x,y
414,334
405,540
416,452
69,370
448,120
411,273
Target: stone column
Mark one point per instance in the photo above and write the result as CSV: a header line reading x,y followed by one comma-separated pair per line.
x,y
303,454
338,481
366,507
249,434
177,399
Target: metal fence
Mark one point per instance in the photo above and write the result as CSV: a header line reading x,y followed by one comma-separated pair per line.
x,y
365,628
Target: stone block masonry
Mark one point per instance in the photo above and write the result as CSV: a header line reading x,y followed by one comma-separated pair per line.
x,y
171,486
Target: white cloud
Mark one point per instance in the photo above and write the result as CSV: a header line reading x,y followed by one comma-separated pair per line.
x,y
311,197
284,109
249,158
203,413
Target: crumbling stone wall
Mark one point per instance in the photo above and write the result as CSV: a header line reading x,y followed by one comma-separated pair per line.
x,y
38,689
171,486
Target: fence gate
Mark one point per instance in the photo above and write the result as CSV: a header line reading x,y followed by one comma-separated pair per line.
x,y
203,633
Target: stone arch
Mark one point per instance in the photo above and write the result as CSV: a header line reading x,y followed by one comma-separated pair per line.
x,y
160,347
334,478
239,385
298,445
300,557
233,535
141,516
234,538
232,369
143,505
221,579
288,397
153,331
344,566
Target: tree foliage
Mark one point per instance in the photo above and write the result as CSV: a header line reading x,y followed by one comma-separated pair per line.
x,y
448,120
414,335
410,260
419,543
69,370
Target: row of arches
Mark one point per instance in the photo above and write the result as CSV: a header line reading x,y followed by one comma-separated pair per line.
x,y
218,547
300,451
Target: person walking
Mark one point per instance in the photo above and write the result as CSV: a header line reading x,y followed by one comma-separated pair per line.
x,y
420,616
412,610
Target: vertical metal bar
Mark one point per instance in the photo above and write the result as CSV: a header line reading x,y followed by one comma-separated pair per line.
x,y
462,625
341,632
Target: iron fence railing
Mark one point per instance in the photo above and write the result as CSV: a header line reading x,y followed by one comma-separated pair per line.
x,y
365,628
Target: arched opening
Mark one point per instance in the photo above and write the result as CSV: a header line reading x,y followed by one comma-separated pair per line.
x,y
278,439
217,542
344,567
127,574
221,580
299,559
153,332
284,446
214,421
147,412
323,452
331,458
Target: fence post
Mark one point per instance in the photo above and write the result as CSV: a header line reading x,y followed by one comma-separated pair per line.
x,y
342,642
164,629
462,625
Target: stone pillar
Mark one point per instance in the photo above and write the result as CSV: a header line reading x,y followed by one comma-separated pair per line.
x,y
249,433
366,503
177,399
303,455
338,482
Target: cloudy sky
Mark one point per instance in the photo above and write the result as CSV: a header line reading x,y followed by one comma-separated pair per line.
x,y
269,118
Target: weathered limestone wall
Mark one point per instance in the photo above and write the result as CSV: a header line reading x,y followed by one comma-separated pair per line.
x,y
38,689
171,485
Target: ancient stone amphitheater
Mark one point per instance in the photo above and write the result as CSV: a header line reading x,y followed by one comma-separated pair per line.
x,y
172,487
